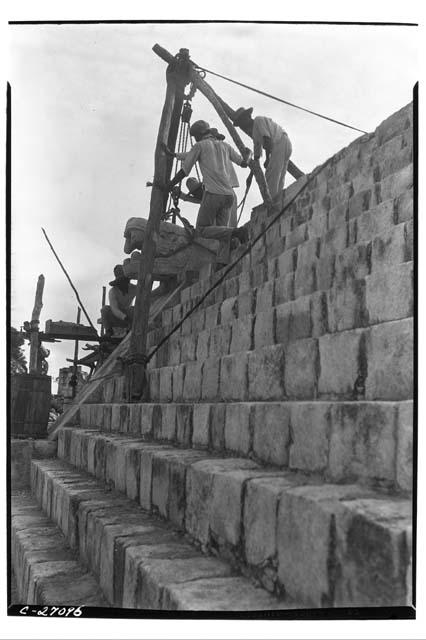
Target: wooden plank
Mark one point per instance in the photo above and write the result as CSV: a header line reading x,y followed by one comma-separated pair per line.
x,y
35,321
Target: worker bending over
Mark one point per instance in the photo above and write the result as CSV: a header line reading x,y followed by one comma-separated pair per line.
x,y
268,135
215,158
119,312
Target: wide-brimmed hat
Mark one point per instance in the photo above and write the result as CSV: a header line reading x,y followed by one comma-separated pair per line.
x,y
242,114
120,277
199,128
193,184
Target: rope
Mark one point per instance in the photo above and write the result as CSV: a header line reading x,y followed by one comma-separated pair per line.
x,y
243,201
240,257
291,104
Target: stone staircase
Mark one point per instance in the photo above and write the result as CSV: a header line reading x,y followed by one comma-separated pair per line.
x,y
272,467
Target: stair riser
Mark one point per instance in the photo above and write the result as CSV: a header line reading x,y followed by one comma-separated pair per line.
x,y
369,442
218,502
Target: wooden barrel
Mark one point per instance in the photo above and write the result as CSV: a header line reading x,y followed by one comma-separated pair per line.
x,y
30,404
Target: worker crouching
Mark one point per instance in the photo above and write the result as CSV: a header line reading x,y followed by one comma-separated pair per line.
x,y
119,312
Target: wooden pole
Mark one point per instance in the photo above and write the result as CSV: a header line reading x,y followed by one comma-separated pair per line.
x,y
74,388
135,371
35,318
103,304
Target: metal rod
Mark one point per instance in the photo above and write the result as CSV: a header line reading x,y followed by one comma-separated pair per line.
x,y
69,280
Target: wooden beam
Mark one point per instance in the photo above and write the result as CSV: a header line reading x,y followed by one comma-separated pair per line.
x,y
135,370
35,319
76,357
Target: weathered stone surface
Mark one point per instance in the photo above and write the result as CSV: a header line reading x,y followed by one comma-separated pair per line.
x,y
404,447
271,435
265,296
266,373
346,306
166,384
178,380
192,381
201,425
184,424
264,325
351,264
220,339
174,354
297,236
237,428
284,288
397,183
304,540
389,293
241,334
145,426
362,442
372,551
339,363
217,426
211,377
212,316
301,364
375,222
310,433
319,314
233,377
246,303
390,361
188,345
404,206
229,310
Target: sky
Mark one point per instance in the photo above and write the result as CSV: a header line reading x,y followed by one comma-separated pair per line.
x,y
86,105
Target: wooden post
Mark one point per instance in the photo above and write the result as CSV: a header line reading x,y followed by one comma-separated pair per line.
x,y
135,371
103,304
35,318
74,388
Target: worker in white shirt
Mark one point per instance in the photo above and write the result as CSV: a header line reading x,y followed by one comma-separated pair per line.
x,y
268,135
119,312
215,158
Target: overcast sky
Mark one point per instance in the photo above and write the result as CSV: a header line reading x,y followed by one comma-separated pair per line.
x,y
86,105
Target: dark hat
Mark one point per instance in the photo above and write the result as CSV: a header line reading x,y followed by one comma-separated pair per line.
x,y
199,128
242,114
119,275
193,184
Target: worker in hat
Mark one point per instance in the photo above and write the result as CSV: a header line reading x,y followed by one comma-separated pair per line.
x,y
215,158
119,312
268,135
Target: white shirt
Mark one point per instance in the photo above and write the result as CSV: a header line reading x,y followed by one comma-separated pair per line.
x,y
265,127
215,158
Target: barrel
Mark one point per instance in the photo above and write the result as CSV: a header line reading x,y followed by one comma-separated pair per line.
x,y
30,405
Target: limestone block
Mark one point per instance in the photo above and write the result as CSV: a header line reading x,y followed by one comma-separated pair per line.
x,y
184,424
168,422
404,450
362,442
395,124
178,380
166,388
265,296
226,503
145,484
211,318
339,363
301,363
160,483
282,323
241,331
340,194
272,268
266,373
336,216
325,270
304,540
389,293
404,205
176,313
228,310
297,236
398,161
260,518
188,346
115,417
409,239
284,288
201,425
220,339
271,434
389,248
192,381
132,471
233,376
258,252
353,263
219,294
287,262
237,428
210,379
390,361
167,317
217,426
203,345
372,549
264,324
375,222
310,428
293,320
305,279
231,286
245,279
154,384
259,275
347,306
277,245
393,185
246,303
198,321
359,202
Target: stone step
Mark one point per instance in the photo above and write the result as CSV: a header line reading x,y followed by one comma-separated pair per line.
x,y
46,569
323,544
263,317
139,561
369,442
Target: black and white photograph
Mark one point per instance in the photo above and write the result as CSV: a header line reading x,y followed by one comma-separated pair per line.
x,y
211,231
